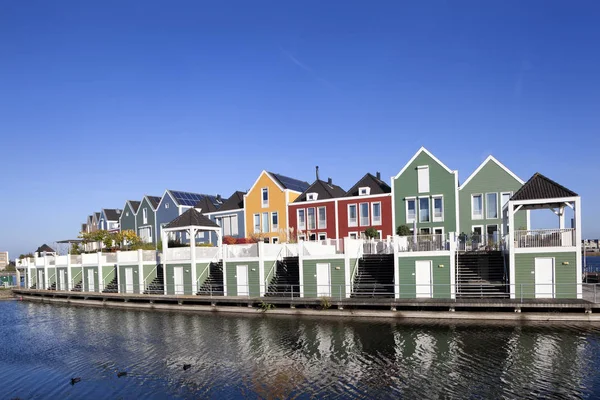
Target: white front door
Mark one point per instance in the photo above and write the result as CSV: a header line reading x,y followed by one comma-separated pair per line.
x,y
423,278
178,279
90,279
61,280
128,280
40,279
544,278
242,280
323,280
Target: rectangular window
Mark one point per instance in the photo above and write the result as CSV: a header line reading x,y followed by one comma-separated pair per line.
x,y
505,198
312,237
145,215
274,221
424,210
353,235
311,218
234,225
376,213
301,237
322,218
438,208
491,206
256,223
301,220
265,197
411,210
423,178
364,214
424,231
477,206
225,225
265,222
352,220
322,236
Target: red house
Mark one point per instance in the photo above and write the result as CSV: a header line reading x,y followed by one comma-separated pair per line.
x,y
368,204
312,216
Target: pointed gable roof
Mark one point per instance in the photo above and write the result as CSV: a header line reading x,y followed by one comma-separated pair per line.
x,y
191,218
377,186
97,215
491,158
539,187
45,248
134,204
434,158
290,183
112,214
206,205
154,201
234,202
324,190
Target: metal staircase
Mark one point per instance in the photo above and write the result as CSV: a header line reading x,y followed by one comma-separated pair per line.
x,y
286,282
375,277
481,274
157,285
213,285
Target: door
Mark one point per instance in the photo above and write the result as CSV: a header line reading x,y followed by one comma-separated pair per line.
x,y
423,279
40,279
128,280
242,280
61,280
178,280
90,280
544,278
323,280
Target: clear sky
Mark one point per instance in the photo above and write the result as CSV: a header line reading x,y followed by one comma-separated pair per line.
x,y
110,100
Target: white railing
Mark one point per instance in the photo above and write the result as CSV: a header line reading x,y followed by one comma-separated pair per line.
x,y
73,279
378,246
149,255
291,250
320,248
359,254
51,260
273,271
110,258
62,260
178,253
545,238
487,242
89,258
425,242
76,258
242,250
206,252
128,257
271,250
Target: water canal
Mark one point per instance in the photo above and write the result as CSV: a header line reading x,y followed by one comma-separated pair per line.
x,y
44,346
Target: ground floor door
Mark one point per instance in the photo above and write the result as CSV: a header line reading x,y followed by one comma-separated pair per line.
x,y
40,279
544,278
61,280
242,280
423,279
323,280
90,280
128,280
178,280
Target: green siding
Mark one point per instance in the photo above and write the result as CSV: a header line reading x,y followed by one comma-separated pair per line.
x,y
121,279
149,272
202,272
76,276
441,276
128,222
565,275
338,277
51,275
441,182
85,286
490,179
108,273
253,278
187,278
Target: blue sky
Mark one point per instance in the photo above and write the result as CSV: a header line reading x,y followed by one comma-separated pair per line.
x,y
106,101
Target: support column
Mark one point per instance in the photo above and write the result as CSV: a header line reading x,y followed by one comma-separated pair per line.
x,y
347,274
261,268
99,272
511,244
397,282
69,273
118,271
301,266
192,233
452,240
140,262
224,255
561,217
577,226
45,272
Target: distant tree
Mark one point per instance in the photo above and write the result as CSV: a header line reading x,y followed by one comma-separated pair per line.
x,y
403,230
371,233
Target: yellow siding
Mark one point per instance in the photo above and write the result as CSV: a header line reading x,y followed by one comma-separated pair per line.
x,y
278,201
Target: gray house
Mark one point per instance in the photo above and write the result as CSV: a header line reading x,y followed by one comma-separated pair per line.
x,y
128,216
145,219
229,216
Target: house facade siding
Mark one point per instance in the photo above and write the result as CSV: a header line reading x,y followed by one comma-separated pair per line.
x,y
150,222
128,219
346,228
305,232
565,274
441,182
239,214
166,211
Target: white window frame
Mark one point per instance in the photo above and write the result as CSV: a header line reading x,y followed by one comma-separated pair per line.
x,y
364,191
264,203
312,196
274,226
166,205
433,198
502,194
145,215
406,200
321,224
440,228
355,223
233,219
302,226
322,236
264,229
477,226
473,216
373,222
308,225
425,228
419,209
423,186
380,235
256,227
353,235
360,216
486,206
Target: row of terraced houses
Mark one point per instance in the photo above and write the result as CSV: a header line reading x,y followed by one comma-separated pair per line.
x,y
429,236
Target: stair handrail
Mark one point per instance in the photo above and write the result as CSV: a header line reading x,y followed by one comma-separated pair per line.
x,y
50,278
104,279
354,272
73,278
214,259
273,267
149,273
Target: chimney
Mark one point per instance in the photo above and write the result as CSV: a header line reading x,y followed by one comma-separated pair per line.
x,y
378,175
219,198
317,172
329,181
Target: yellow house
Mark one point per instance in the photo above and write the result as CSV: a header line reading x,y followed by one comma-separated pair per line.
x,y
266,205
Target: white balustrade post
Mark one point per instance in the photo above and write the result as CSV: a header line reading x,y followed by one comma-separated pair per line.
x,y
224,254
140,262
396,267
452,240
301,266
98,272
261,268
68,283
45,271
348,277
192,233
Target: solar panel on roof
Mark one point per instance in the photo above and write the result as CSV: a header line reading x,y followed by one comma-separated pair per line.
x,y
292,184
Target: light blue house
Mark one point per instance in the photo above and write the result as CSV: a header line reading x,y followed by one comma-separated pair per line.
x,y
109,219
230,217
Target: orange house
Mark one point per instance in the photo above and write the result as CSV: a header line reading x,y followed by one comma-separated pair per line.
x,y
266,206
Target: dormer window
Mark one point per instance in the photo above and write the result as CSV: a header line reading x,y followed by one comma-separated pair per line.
x,y
364,191
311,196
166,205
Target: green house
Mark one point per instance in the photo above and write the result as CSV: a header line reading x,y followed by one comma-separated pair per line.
x,y
425,195
481,199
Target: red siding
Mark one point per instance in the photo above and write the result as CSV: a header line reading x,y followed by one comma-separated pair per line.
x,y
386,215
330,217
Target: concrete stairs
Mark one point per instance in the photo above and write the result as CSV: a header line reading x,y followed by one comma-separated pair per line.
x,y
375,277
112,286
